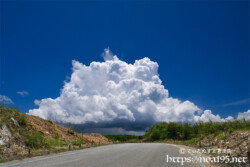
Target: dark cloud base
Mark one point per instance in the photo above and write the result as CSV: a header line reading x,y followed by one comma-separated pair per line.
x,y
114,127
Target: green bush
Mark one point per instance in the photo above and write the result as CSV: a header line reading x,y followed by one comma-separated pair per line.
x,y
48,143
71,131
202,136
77,142
1,123
57,137
222,137
191,142
230,130
34,140
22,120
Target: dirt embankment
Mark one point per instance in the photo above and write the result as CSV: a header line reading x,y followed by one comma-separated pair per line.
x,y
19,141
51,129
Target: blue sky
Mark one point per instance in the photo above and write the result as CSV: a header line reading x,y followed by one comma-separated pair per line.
x,y
202,47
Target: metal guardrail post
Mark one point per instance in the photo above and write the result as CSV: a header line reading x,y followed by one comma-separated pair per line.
x,y
248,156
248,153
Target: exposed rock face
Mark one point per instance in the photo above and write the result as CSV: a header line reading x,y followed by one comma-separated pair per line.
x,y
5,135
14,121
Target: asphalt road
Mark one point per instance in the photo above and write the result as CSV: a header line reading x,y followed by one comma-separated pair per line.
x,y
119,155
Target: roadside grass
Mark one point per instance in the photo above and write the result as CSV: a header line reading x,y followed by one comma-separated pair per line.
x,y
191,142
77,142
221,137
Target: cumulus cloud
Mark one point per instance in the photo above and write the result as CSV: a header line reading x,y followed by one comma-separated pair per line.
x,y
208,116
244,115
23,93
114,92
5,100
107,54
37,102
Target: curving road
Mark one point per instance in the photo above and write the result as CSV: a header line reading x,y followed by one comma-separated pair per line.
x,y
119,155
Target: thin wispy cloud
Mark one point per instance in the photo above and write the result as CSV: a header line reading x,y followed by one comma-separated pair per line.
x,y
236,103
23,93
5,100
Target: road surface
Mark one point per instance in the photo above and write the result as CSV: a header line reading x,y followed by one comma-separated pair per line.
x,y
118,155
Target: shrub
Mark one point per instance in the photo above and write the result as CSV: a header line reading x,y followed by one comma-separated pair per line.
x,y
48,143
230,130
77,142
57,136
1,123
71,131
22,121
202,136
222,137
191,142
34,140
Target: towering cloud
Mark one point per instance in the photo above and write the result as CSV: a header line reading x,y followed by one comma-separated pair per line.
x,y
112,92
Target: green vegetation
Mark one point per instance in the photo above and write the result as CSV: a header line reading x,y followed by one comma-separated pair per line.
x,y
34,136
19,127
123,138
188,132
17,124
71,131
77,142
22,130
191,142
11,116
222,137
57,137
34,140
49,143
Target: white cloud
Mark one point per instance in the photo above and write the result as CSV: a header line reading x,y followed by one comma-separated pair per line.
x,y
37,102
107,54
236,103
208,116
245,115
113,91
5,100
23,93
